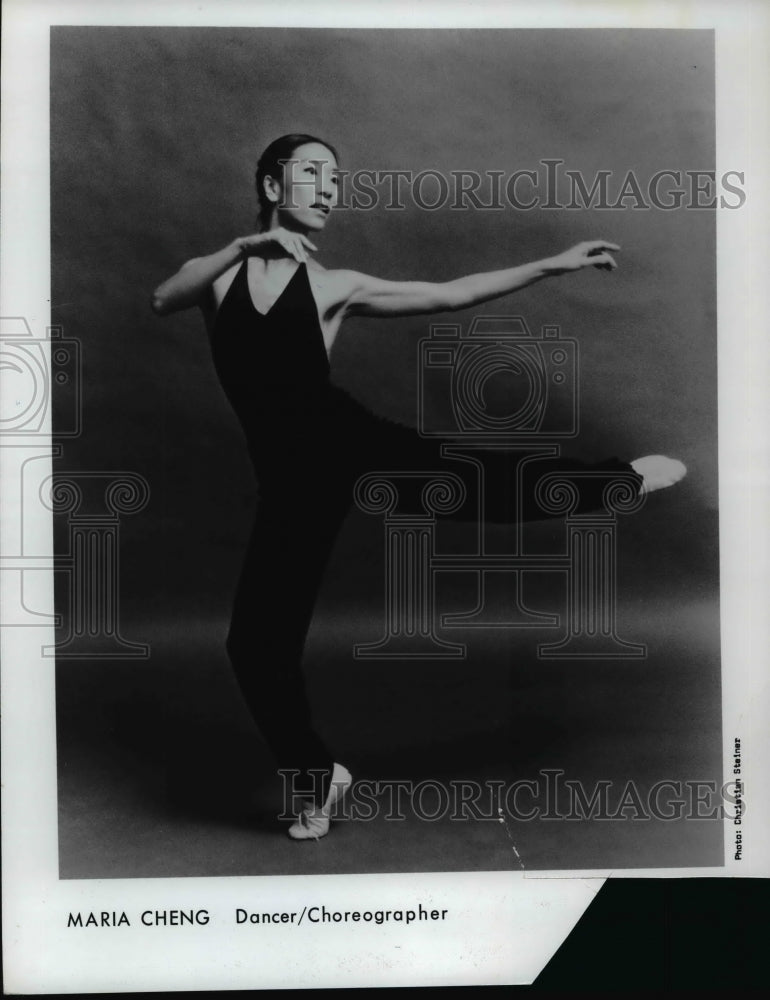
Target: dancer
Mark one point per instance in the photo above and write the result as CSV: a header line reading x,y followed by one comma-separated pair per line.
x,y
273,314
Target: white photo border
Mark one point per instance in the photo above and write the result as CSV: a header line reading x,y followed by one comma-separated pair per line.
x,y
507,925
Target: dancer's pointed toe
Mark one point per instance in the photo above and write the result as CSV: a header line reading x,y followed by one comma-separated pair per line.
x,y
658,472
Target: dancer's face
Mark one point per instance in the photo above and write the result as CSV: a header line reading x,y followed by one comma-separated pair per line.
x,y
309,189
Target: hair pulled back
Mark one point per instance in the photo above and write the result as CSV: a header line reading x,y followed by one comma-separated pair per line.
x,y
270,165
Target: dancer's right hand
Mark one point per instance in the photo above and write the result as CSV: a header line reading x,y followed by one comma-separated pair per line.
x,y
277,242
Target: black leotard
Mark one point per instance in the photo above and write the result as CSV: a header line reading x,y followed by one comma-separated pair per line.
x,y
275,372
273,367
309,441
302,435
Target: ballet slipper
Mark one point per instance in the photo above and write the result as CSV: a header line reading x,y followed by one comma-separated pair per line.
x,y
658,472
313,821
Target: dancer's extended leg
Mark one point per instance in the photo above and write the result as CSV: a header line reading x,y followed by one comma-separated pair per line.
x,y
377,444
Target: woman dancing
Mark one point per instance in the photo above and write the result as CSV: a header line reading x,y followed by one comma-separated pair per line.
x,y
273,314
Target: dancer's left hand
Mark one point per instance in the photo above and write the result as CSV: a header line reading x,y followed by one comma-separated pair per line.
x,y
590,253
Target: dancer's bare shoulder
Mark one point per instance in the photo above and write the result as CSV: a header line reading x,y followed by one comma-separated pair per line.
x,y
357,294
333,288
345,292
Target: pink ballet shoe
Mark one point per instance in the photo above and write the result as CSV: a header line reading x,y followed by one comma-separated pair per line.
x,y
313,821
658,472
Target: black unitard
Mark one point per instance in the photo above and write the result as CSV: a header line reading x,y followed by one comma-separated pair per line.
x,y
309,441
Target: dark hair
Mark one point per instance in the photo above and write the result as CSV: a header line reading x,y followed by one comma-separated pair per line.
x,y
269,164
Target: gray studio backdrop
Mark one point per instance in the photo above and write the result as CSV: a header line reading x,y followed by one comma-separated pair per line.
x,y
155,136
155,133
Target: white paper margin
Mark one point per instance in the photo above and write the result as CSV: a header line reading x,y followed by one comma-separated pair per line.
x,y
504,926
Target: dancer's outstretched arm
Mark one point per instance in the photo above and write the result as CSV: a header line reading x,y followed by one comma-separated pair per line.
x,y
370,296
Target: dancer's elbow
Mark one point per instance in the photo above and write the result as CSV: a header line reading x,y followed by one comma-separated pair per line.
x,y
160,304
164,301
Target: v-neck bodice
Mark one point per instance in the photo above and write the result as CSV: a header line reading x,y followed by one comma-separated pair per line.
x,y
287,286
273,366
278,352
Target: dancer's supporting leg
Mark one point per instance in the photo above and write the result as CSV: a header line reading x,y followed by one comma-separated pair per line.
x,y
279,582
